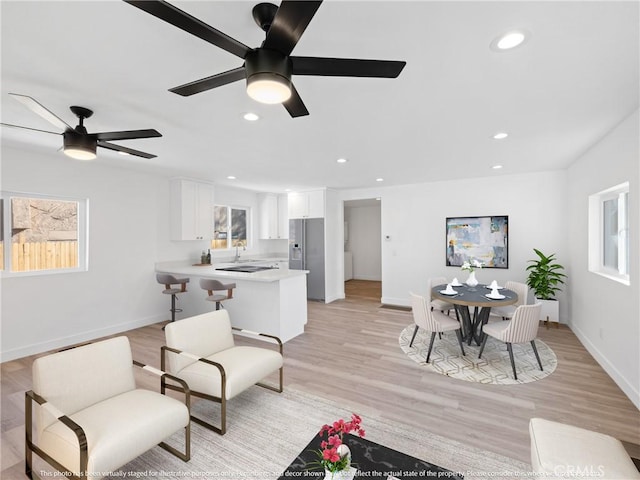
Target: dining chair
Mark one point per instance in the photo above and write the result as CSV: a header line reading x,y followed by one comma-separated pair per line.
x,y
436,303
506,312
522,328
432,321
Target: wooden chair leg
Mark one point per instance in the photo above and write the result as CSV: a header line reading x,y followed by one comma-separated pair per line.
x,y
535,350
459,335
484,341
414,336
433,337
513,364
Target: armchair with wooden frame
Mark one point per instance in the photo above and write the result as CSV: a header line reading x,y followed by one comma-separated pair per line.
x,y
201,351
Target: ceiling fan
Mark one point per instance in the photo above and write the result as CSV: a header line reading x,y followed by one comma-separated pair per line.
x,y
77,142
268,68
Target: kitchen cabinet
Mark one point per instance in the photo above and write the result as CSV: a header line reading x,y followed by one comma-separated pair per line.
x,y
274,216
306,204
191,210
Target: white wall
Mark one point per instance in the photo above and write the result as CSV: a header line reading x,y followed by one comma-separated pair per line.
x,y
606,314
413,216
333,247
128,233
364,241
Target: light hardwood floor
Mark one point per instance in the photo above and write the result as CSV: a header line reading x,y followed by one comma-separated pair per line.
x,y
349,353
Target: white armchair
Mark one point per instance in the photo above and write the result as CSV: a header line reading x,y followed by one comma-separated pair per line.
x,y
90,418
202,352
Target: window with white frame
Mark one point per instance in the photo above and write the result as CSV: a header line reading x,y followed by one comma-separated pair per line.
x,y
42,234
609,249
230,227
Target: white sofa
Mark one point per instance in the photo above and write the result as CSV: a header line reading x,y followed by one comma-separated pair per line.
x,y
560,451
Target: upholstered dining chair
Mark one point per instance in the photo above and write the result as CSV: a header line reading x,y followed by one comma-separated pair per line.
x,y
202,352
506,312
522,328
436,303
432,321
89,416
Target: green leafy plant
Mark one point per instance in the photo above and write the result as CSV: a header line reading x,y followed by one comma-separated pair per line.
x,y
545,276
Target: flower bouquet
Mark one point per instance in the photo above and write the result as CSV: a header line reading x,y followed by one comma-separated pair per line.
x,y
334,456
471,266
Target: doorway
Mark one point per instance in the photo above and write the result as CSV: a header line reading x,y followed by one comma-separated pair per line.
x,y
363,248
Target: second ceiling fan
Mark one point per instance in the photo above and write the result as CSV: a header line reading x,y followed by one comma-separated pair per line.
x,y
268,68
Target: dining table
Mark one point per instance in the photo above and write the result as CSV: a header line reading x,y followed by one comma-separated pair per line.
x,y
464,296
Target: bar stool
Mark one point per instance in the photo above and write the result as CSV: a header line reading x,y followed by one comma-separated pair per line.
x,y
169,280
212,286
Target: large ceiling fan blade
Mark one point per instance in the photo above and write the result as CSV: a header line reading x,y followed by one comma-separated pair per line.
x,y
289,24
39,109
346,67
29,128
208,83
173,15
130,151
295,105
128,134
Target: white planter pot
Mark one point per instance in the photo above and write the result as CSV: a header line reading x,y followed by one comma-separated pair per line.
x,y
550,311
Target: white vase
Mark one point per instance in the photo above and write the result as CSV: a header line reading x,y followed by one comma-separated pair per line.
x,y
472,281
346,474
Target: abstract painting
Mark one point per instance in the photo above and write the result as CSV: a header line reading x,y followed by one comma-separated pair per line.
x,y
485,239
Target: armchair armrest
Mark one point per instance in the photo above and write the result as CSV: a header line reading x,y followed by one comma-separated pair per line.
x,y
164,349
163,375
31,397
258,336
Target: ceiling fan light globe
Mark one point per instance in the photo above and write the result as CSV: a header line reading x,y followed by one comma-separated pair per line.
x,y
79,154
268,88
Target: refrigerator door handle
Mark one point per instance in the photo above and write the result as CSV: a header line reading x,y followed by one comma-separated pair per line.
x,y
304,244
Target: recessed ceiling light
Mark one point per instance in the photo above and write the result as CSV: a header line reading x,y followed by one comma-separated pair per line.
x,y
378,198
497,167
379,179
123,153
287,189
500,135
509,40
251,117
231,177
342,160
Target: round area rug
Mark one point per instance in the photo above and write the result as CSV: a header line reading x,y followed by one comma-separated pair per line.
x,y
494,367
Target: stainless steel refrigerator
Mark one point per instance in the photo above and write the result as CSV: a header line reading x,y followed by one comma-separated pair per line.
x,y
306,252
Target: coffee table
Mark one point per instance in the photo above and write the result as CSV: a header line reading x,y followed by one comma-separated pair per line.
x,y
372,461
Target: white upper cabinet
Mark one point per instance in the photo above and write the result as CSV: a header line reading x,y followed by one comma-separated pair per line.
x,y
274,219
191,210
306,204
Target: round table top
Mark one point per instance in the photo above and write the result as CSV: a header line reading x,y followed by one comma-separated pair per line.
x,y
474,296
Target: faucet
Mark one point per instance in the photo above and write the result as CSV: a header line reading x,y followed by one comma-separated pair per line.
x,y
236,259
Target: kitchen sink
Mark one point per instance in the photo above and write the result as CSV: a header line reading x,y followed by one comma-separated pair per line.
x,y
245,268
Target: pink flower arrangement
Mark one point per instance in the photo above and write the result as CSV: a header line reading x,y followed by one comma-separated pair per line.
x,y
334,455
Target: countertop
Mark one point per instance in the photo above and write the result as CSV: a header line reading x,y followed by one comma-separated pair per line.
x,y
209,271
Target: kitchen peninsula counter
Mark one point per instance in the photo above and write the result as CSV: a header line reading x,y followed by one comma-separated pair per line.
x,y
270,301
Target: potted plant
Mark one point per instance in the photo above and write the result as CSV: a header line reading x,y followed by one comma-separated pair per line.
x,y
545,279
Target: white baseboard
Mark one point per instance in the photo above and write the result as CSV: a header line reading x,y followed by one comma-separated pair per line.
x,y
62,342
628,389
371,278
396,302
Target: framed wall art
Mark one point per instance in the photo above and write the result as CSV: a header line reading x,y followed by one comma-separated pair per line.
x,y
485,239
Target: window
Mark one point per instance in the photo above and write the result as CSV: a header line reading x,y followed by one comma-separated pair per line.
x,y
609,233
230,227
44,234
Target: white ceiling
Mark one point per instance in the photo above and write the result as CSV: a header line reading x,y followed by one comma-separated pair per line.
x,y
574,80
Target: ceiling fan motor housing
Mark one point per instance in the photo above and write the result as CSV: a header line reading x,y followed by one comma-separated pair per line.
x,y
81,146
268,65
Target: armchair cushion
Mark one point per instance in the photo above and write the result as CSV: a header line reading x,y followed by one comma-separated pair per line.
x,y
118,430
244,367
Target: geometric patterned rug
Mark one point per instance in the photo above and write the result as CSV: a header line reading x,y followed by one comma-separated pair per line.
x,y
493,368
